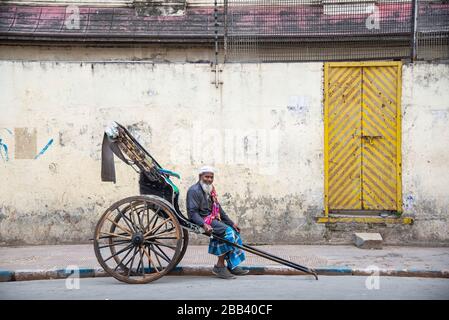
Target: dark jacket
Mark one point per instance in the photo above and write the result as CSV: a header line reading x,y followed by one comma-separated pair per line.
x,y
199,205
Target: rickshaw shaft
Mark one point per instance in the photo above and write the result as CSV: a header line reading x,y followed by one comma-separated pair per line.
x,y
268,256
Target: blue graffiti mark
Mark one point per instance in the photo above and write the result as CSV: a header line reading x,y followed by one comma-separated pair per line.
x,y
9,131
4,153
44,149
409,202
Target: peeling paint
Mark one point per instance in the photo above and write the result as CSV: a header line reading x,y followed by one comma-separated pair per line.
x,y
53,167
151,92
440,116
25,143
299,107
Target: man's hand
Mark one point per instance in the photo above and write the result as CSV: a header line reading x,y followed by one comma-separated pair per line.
x,y
236,227
207,228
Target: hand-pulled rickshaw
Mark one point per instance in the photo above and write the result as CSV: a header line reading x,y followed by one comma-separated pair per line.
x,y
141,238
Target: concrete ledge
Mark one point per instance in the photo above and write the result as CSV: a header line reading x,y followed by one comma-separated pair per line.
x,y
364,220
206,270
405,273
334,271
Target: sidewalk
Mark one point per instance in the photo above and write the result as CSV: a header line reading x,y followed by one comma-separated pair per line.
x,y
51,261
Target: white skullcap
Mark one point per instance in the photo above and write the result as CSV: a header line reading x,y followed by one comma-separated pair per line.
x,y
206,169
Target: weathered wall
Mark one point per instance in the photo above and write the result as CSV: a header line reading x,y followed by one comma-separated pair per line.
x,y
425,148
262,129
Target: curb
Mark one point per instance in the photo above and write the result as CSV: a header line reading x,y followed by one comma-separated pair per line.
x,y
206,270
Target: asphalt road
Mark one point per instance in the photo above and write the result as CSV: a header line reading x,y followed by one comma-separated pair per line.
x,y
246,287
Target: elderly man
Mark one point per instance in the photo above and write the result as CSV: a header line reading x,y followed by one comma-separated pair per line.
x,y
204,209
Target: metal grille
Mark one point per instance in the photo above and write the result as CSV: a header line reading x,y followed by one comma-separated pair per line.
x,y
250,30
104,23
432,31
334,30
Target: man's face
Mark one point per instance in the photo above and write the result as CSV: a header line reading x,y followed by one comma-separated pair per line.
x,y
207,178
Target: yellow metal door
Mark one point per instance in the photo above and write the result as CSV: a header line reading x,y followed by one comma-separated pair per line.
x,y
362,136
344,145
379,137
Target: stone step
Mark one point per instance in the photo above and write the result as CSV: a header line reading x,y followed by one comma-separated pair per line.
x,y
368,240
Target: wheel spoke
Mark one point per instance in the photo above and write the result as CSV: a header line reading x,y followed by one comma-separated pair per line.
x,y
115,235
118,252
141,262
119,226
139,223
163,236
159,261
155,215
131,217
140,219
157,227
109,237
121,261
160,244
129,260
132,262
147,215
167,238
114,243
125,218
152,262
165,257
162,251
162,232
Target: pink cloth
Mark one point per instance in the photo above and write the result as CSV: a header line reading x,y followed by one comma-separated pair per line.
x,y
215,214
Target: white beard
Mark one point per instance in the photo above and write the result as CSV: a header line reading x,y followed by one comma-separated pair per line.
x,y
206,187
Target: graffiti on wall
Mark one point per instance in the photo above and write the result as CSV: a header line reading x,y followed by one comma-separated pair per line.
x,y
25,141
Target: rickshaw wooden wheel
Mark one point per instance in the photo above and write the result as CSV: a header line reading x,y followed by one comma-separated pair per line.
x,y
185,243
139,239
